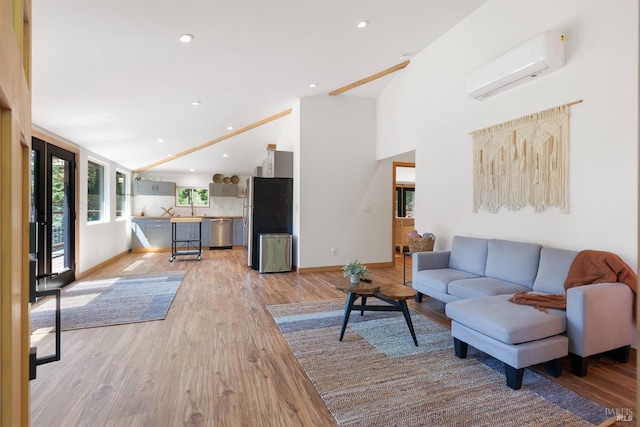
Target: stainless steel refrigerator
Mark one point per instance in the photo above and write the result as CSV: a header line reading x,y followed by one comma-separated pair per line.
x,y
268,208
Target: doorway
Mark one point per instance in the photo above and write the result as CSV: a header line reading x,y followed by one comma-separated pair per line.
x,y
404,180
53,214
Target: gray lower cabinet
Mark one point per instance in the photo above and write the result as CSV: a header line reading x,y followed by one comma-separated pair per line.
x,y
158,232
154,188
238,232
138,237
206,227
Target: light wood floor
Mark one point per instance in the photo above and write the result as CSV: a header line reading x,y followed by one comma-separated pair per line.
x,y
218,358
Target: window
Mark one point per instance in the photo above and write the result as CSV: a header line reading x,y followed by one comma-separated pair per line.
x,y
405,201
95,192
121,194
192,197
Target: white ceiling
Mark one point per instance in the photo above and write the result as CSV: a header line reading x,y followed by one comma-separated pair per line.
x,y
112,77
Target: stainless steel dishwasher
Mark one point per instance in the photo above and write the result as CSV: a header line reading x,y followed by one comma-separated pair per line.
x,y
221,233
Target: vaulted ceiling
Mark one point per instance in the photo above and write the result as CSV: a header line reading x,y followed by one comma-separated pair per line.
x,y
112,76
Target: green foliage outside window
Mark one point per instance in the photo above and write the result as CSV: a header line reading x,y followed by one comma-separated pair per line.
x,y
58,202
95,178
200,196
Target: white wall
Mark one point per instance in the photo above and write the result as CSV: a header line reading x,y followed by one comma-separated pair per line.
x,y
339,179
101,240
426,108
289,140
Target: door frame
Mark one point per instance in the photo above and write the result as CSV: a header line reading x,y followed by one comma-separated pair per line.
x,y
395,165
43,199
76,208
15,154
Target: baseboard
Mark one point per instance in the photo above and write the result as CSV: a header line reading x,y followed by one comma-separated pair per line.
x,y
81,274
302,270
145,250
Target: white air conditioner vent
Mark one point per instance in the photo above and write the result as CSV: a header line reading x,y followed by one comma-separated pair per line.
x,y
539,56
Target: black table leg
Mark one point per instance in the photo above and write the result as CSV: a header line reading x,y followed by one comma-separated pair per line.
x,y
404,267
364,303
347,311
407,317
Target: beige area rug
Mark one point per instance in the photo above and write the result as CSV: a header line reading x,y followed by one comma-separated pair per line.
x,y
109,301
377,377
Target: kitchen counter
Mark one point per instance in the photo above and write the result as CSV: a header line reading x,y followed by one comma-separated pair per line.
x,y
187,219
195,216
154,233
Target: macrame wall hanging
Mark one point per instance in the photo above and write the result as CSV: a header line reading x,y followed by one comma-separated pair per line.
x,y
523,162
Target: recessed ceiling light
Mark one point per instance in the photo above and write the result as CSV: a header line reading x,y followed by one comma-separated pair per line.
x,y
192,170
169,155
225,155
160,140
186,38
405,56
229,127
313,85
363,24
195,103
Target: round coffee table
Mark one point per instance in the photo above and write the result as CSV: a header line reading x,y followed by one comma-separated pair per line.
x,y
394,295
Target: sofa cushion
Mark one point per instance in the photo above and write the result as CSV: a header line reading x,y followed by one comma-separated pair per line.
x,y
505,321
514,262
483,287
468,254
439,279
553,269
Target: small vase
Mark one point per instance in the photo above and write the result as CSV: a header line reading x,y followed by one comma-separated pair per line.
x,y
355,278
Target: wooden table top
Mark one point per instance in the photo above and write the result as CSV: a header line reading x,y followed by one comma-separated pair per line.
x,y
187,219
396,292
361,288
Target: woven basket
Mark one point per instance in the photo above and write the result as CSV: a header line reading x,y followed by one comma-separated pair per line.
x,y
421,244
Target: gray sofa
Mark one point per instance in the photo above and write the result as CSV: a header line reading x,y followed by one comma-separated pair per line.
x,y
478,276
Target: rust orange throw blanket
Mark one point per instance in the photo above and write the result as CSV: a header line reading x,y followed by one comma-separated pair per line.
x,y
540,302
600,267
588,267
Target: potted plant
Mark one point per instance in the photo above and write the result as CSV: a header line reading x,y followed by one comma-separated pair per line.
x,y
356,270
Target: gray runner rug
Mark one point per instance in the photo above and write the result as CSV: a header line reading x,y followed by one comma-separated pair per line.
x,y
110,301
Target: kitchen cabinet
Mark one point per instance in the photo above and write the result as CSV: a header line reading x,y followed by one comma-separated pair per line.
x,y
154,188
223,190
158,233
138,237
154,233
206,227
238,232
278,164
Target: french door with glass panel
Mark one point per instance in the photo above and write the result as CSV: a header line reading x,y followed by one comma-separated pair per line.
x,y
53,213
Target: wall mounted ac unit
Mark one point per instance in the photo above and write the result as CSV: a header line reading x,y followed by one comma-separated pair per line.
x,y
539,56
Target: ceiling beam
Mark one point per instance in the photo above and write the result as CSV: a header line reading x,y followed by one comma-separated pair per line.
x,y
215,141
370,78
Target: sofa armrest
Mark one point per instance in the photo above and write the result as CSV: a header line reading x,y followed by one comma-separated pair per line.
x,y
429,260
599,318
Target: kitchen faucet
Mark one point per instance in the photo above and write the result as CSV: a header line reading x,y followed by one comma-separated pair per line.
x,y
191,200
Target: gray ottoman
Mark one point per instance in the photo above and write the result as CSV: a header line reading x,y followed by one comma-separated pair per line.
x,y
518,335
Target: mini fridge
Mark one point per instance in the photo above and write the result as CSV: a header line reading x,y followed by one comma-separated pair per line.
x,y
274,252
